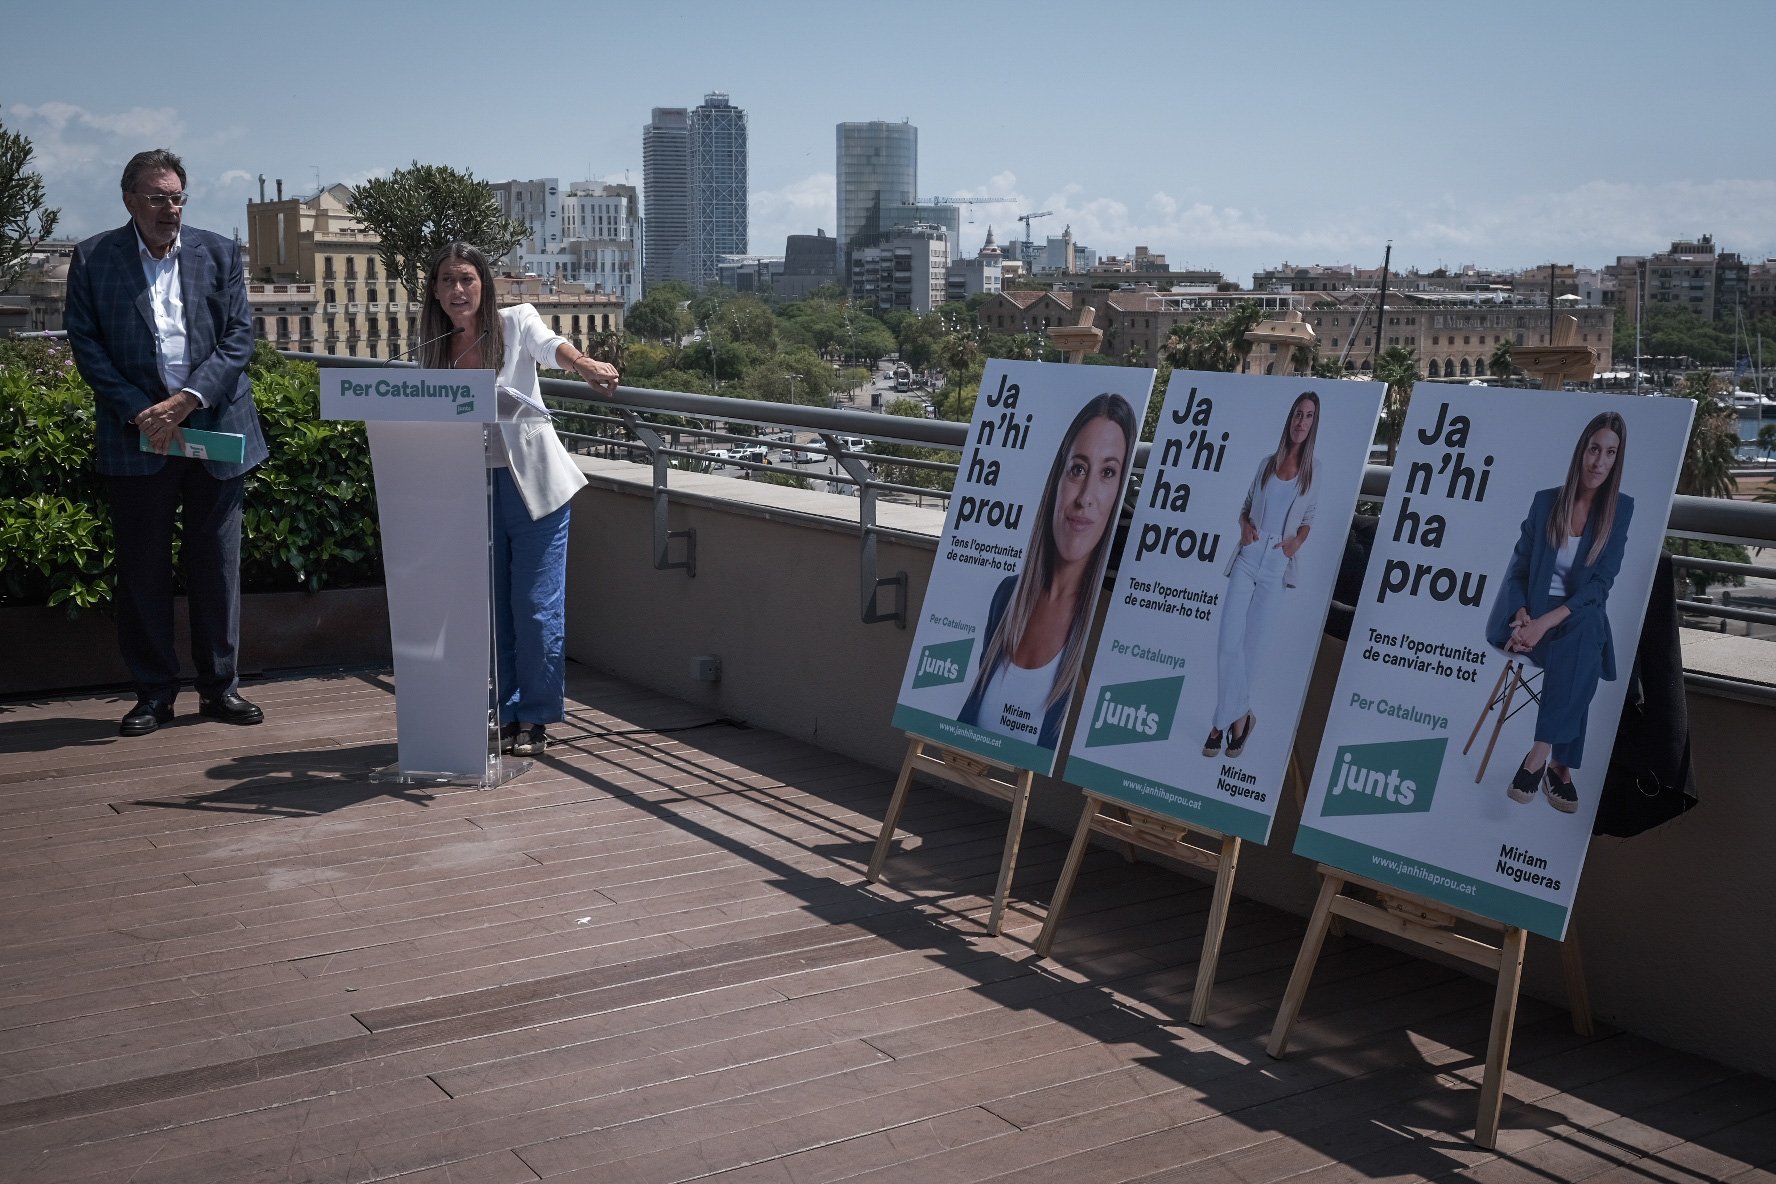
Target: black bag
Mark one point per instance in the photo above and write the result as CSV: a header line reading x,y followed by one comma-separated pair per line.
x,y
1650,778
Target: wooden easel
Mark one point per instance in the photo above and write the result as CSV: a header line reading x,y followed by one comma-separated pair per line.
x,y
1136,827
1431,924
961,768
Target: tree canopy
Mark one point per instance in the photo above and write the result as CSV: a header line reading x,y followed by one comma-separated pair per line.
x,y
21,205
417,211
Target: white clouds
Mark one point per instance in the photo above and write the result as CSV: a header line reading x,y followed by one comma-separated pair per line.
x,y
81,154
1588,224
797,208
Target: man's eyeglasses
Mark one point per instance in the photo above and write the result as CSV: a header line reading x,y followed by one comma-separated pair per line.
x,y
161,201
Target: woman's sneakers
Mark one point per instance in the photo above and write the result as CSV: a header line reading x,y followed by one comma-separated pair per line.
x,y
531,741
1558,788
1525,784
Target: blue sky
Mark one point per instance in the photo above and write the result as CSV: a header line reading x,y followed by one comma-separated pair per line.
x,y
1226,135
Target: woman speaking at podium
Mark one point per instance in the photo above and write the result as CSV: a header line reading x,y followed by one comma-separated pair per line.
x,y
533,478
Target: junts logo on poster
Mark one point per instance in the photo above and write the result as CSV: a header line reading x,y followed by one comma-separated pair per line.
x,y
943,663
1399,777
1135,712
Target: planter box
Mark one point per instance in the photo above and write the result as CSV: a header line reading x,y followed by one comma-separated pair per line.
x,y
45,651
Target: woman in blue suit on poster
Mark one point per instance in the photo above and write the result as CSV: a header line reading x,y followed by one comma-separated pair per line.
x,y
1552,607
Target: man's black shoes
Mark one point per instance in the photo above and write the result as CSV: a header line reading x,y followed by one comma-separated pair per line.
x,y
230,708
146,716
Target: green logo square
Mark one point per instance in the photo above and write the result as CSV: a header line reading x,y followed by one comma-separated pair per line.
x,y
943,663
1398,777
1135,712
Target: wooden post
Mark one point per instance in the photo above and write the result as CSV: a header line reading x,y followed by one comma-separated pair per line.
x,y
1431,924
1135,827
960,768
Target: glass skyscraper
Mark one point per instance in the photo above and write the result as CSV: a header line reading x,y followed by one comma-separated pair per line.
x,y
666,194
878,177
717,165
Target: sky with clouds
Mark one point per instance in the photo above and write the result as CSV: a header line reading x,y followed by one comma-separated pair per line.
x,y
1228,136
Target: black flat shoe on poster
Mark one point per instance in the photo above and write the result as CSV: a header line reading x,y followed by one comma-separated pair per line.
x,y
1559,791
1212,746
1525,784
1236,741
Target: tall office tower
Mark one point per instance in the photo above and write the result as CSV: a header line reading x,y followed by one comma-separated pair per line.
x,y
718,185
666,194
878,175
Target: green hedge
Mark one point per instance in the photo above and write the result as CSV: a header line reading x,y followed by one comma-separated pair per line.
x,y
310,515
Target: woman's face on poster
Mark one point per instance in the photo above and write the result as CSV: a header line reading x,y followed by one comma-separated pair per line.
x,y
1599,460
1301,421
1090,481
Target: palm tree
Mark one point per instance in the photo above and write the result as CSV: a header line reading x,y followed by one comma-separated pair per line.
x,y
1500,365
1714,439
1398,367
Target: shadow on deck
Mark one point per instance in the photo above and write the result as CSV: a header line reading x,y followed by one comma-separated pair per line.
x,y
229,957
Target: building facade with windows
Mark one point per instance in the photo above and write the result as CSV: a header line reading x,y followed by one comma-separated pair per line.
x,y
877,172
1693,275
589,234
666,193
908,269
359,310
717,166
1454,336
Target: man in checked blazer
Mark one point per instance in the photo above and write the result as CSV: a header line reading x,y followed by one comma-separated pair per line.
x,y
157,318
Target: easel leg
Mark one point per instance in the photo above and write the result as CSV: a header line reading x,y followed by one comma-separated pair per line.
x,y
1069,873
896,804
1217,925
1578,999
1020,801
1304,965
1498,1047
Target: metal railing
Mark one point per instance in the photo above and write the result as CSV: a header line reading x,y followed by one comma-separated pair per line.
x,y
672,430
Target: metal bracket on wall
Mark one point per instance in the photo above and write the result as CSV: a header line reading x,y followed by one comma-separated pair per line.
x,y
859,471
663,535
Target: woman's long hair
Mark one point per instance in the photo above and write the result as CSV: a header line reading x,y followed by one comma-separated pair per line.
x,y
1039,559
1304,476
1605,501
439,345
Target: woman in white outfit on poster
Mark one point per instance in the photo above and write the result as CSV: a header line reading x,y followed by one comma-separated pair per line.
x,y
1274,523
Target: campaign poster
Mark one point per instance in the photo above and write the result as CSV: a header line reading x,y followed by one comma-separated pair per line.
x,y
1220,596
1512,562
1002,636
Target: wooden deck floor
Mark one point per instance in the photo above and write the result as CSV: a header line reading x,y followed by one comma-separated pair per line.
x,y
229,957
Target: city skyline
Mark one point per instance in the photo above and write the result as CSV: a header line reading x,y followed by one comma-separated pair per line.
x,y
1313,135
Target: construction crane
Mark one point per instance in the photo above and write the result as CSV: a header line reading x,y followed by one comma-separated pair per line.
x,y
971,201
1026,219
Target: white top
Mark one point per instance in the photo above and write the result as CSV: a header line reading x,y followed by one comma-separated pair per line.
x,y
1563,565
1278,496
167,300
1016,699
